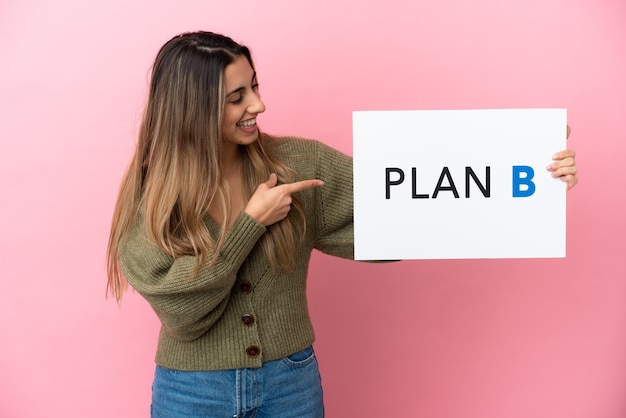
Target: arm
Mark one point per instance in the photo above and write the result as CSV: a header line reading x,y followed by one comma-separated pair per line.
x,y
334,206
188,305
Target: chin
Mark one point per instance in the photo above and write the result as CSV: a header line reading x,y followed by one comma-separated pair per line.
x,y
249,139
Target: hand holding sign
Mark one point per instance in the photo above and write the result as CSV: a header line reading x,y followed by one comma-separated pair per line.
x,y
564,165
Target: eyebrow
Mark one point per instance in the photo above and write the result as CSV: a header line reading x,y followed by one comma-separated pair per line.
x,y
237,90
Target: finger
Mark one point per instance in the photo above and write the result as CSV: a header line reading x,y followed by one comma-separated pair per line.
x,y
566,162
570,180
566,153
302,185
271,182
561,163
565,171
569,130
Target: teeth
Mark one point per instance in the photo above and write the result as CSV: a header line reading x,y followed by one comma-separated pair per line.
x,y
247,123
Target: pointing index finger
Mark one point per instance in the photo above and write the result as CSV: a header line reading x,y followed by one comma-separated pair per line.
x,y
302,185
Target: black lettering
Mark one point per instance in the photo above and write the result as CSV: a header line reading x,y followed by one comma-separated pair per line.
x,y
389,182
415,195
486,189
445,173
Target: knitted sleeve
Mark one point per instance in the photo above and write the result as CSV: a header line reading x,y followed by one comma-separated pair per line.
x,y
334,203
187,306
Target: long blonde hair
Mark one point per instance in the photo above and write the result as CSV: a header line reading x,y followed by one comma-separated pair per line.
x,y
175,174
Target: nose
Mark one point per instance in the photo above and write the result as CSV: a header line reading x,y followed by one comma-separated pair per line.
x,y
256,104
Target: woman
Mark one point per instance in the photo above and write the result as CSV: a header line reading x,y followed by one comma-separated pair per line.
x,y
214,226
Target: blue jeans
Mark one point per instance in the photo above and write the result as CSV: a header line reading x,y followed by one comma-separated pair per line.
x,y
286,388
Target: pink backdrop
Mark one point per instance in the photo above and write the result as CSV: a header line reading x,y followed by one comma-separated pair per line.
x,y
437,339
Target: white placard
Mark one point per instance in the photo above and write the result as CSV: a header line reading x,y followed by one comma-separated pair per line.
x,y
438,184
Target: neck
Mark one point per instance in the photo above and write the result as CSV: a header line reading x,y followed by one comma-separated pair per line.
x,y
231,158
232,172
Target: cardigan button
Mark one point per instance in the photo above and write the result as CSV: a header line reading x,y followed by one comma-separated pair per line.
x,y
247,319
245,287
253,351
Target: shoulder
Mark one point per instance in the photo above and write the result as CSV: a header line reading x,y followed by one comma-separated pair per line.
x,y
299,149
284,144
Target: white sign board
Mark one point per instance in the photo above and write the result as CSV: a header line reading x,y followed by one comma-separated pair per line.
x,y
438,184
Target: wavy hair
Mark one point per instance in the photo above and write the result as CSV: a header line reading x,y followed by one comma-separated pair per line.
x,y
175,174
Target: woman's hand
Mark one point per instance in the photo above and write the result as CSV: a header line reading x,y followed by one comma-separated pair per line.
x,y
271,203
564,165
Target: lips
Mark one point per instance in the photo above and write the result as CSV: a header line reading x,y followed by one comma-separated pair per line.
x,y
250,123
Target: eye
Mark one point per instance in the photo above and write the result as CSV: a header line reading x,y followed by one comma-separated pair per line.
x,y
237,100
255,86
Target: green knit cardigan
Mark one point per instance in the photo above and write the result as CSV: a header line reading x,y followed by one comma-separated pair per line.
x,y
239,313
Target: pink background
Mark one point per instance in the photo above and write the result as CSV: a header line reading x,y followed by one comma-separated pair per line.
x,y
437,339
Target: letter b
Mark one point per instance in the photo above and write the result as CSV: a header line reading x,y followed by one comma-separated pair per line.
x,y
522,176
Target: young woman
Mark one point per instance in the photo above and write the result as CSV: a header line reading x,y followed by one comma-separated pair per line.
x,y
214,226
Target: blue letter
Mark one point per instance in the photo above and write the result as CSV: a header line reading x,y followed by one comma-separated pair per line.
x,y
519,180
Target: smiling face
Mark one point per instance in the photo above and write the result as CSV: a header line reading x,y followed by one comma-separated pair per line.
x,y
243,103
